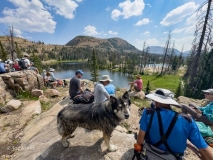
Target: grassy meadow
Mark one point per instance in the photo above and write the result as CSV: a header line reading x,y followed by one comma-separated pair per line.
x,y
169,82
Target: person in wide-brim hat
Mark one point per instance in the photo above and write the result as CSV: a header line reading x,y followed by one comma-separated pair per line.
x,y
202,114
100,92
105,78
163,96
168,130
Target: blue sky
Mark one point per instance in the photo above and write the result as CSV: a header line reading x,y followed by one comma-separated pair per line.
x,y
136,21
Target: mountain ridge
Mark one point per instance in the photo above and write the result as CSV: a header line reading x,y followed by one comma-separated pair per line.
x,y
114,44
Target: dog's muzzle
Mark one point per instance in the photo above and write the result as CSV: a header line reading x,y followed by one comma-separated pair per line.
x,y
126,116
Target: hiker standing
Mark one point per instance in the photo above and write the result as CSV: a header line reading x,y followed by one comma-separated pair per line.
x,y
155,123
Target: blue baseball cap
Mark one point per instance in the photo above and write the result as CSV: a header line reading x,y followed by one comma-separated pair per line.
x,y
79,71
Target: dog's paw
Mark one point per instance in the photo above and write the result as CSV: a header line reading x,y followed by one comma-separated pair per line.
x,y
65,144
112,148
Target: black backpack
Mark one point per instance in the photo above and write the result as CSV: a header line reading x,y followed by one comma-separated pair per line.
x,y
22,63
85,98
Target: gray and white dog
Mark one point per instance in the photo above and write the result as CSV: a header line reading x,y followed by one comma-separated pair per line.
x,y
101,116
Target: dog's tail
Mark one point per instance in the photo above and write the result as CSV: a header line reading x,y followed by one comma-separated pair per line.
x,y
60,124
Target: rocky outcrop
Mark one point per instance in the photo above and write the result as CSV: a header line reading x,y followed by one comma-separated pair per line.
x,y
18,81
51,93
22,80
11,106
85,145
186,100
140,95
37,92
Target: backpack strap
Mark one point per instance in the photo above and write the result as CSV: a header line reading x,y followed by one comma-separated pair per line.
x,y
149,111
165,136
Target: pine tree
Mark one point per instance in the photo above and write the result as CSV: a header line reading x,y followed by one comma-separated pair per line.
x,y
18,51
148,88
94,67
175,63
204,79
179,91
3,53
37,62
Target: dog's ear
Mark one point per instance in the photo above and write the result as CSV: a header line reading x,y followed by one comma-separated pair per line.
x,y
126,95
113,99
114,102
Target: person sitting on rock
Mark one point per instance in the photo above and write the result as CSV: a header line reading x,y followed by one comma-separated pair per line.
x,y
75,87
4,68
202,114
49,80
29,65
183,127
100,93
16,65
111,89
137,84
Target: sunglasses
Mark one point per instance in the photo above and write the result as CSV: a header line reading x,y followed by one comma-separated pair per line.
x,y
208,93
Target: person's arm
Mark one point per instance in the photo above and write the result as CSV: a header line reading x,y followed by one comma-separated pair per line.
x,y
196,108
104,91
131,83
79,86
53,76
141,136
207,153
196,139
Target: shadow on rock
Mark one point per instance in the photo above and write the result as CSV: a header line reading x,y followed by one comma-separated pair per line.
x,y
56,151
128,154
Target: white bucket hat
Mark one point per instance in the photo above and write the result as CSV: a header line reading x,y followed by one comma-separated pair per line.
x,y
210,90
105,78
163,96
52,69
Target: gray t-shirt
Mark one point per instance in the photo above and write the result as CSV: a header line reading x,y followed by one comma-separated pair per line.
x,y
74,86
100,93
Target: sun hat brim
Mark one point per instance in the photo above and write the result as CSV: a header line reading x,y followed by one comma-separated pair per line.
x,y
103,80
162,99
208,91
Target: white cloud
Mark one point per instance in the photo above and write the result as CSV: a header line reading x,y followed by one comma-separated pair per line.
x,y
149,5
90,30
146,33
17,32
178,14
178,30
28,16
165,32
78,1
128,9
64,8
149,42
108,8
115,14
186,41
189,30
155,26
113,33
143,22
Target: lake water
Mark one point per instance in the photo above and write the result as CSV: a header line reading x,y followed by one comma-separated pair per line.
x,y
67,70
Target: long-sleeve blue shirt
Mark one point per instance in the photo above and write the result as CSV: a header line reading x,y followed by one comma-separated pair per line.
x,y
208,111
